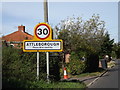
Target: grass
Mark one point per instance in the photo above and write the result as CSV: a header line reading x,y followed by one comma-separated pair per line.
x,y
88,74
43,84
15,83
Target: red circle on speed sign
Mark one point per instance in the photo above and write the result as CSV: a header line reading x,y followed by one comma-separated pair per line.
x,y
42,31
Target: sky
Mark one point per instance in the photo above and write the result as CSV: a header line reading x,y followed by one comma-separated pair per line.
x,y
30,14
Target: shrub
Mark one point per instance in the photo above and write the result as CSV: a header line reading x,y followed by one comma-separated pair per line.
x,y
55,68
76,66
18,64
22,66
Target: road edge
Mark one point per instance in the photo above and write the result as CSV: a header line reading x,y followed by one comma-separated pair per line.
x,y
97,78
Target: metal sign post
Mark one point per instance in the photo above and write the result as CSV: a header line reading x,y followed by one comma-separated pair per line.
x,y
47,58
37,65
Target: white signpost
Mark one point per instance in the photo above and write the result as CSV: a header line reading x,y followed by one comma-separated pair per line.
x,y
43,42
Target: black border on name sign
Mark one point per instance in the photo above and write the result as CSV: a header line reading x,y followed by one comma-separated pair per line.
x,y
42,49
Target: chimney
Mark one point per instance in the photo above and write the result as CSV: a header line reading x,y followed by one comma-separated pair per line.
x,y
21,28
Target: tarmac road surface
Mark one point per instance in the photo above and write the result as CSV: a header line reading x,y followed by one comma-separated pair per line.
x,y
109,79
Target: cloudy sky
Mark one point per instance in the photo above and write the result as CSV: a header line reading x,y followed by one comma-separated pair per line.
x,y
31,13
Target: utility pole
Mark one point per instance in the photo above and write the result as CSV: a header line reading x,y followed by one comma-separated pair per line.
x,y
45,11
46,21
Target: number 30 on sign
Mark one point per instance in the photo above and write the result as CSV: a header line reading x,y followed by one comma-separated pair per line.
x,y
42,31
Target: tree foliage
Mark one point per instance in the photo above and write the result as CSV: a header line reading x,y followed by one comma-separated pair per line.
x,y
116,49
76,66
106,47
85,38
85,35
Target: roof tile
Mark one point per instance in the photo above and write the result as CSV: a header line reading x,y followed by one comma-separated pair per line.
x,y
17,36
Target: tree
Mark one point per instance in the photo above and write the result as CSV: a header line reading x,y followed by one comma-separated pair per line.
x,y
106,47
65,36
83,37
116,49
79,34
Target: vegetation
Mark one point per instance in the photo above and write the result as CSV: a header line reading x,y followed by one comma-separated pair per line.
x,y
15,83
19,67
43,84
116,50
79,35
107,46
19,71
82,39
87,39
98,73
75,66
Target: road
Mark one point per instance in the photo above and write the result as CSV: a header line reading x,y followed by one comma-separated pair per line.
x,y
109,79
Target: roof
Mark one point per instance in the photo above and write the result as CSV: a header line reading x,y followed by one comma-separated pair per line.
x,y
17,36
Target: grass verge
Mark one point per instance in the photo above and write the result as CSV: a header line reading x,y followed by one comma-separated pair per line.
x,y
43,84
97,73
15,83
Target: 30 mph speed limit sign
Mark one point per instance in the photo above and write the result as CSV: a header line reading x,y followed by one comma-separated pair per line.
x,y
42,31
42,40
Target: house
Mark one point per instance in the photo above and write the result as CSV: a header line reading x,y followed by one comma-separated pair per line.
x,y
67,58
15,39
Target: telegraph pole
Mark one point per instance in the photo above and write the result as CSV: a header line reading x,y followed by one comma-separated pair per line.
x,y
46,21
45,11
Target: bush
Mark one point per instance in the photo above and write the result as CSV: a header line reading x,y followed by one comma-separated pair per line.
x,y
22,66
55,68
76,66
14,83
18,64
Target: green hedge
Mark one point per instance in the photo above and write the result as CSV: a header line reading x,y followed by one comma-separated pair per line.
x,y
21,66
76,66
